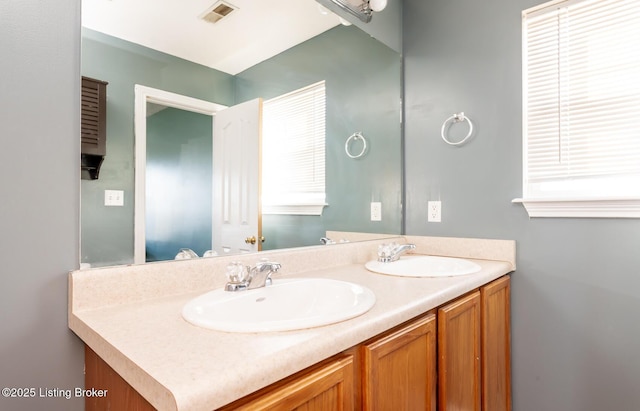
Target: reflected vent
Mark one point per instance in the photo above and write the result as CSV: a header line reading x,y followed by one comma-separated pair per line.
x,y
217,12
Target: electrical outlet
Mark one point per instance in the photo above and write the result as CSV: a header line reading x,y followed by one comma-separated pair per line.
x,y
376,211
434,213
114,198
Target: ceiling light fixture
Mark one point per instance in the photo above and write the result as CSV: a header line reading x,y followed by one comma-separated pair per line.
x,y
362,9
377,5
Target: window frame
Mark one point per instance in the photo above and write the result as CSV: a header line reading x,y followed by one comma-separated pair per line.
x,y
298,203
564,204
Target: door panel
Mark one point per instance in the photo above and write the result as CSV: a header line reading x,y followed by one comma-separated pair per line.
x,y
459,379
399,371
236,178
496,345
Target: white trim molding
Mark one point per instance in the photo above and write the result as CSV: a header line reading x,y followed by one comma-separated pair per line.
x,y
582,208
142,96
293,209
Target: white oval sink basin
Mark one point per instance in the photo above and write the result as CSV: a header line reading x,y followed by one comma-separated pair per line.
x,y
424,266
287,304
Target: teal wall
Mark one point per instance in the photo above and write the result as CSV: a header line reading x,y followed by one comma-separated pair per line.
x,y
363,94
179,183
107,232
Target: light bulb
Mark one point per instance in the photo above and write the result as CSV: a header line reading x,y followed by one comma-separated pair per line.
x,y
377,5
323,10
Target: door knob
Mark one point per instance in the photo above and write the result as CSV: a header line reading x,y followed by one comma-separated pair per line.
x,y
253,240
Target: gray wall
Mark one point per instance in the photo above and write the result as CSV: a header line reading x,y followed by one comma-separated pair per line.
x,y
576,291
39,177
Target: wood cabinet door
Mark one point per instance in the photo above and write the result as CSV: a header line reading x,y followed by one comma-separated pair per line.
x,y
459,381
119,394
399,369
328,387
496,346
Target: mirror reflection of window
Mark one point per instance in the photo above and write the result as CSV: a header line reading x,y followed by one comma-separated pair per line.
x,y
293,152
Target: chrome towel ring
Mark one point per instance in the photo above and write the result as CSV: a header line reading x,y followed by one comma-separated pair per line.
x,y
456,118
354,137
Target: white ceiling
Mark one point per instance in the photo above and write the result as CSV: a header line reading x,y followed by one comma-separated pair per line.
x,y
256,31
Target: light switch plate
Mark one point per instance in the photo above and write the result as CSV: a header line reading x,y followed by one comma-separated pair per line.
x,y
113,198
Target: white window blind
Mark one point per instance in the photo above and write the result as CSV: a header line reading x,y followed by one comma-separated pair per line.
x,y
293,152
581,70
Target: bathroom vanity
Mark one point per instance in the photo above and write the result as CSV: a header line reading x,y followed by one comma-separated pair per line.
x,y
427,343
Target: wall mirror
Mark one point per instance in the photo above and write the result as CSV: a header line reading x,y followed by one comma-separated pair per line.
x,y
363,94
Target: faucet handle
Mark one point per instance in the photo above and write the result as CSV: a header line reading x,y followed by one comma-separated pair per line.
x,y
186,254
265,264
391,252
236,272
385,250
260,274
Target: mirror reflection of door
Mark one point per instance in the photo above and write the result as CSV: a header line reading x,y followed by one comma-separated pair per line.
x,y
236,179
178,185
178,182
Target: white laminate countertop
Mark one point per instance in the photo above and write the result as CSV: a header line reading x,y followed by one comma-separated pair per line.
x,y
178,366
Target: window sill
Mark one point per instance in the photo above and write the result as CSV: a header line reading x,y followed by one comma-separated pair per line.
x,y
582,208
293,209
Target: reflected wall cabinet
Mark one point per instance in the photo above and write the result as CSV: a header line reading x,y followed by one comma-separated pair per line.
x,y
93,127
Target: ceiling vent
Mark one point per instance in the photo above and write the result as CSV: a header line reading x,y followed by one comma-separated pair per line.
x,y
217,12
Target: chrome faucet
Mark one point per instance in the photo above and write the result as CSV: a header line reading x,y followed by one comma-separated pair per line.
x,y
260,275
247,278
391,252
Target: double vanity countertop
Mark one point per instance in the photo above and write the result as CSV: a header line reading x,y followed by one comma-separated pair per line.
x,y
131,317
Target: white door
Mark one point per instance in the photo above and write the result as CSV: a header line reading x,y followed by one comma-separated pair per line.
x,y
236,179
